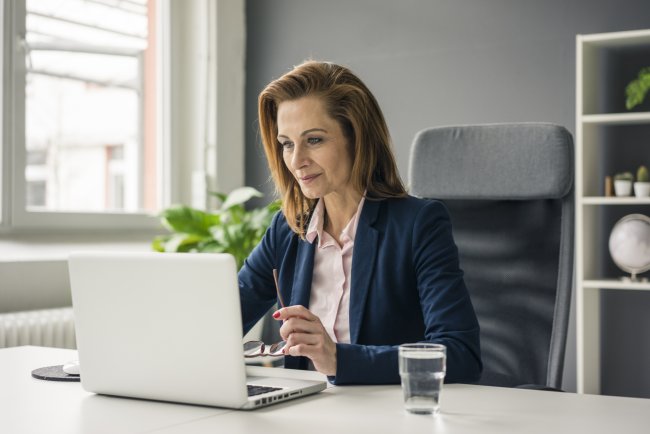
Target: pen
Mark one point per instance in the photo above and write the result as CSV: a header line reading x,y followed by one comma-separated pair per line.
x,y
277,286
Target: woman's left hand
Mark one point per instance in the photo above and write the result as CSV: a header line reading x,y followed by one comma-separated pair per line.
x,y
306,336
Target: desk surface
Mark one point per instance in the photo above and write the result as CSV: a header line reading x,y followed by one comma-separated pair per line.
x,y
28,405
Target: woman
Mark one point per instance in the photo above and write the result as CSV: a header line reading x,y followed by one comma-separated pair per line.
x,y
362,266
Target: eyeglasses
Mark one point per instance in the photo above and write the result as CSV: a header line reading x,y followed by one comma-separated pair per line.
x,y
259,348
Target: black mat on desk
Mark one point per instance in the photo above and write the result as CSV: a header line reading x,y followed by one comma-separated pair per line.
x,y
54,373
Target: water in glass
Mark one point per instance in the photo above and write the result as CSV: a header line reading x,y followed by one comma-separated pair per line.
x,y
422,374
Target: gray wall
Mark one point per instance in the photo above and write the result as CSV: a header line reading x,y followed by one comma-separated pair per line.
x,y
441,62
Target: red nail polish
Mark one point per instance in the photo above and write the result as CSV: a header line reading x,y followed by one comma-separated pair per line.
x,y
276,314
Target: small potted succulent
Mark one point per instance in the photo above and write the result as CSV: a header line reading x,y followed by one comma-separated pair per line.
x,y
623,184
642,184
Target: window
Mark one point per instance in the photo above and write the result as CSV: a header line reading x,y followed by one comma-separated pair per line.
x,y
89,106
111,109
85,139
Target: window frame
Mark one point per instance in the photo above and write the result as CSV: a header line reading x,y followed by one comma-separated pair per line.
x,y
220,167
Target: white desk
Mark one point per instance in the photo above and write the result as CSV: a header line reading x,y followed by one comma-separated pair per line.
x,y
30,406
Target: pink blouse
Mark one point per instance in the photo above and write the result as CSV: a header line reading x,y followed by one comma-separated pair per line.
x,y
330,287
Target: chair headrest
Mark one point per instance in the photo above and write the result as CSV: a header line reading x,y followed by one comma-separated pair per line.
x,y
492,161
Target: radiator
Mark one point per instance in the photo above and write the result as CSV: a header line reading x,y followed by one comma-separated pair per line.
x,y
46,328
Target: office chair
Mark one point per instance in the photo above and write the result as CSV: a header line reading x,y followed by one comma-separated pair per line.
x,y
509,191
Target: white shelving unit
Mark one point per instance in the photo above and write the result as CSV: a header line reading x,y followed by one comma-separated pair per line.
x,y
604,64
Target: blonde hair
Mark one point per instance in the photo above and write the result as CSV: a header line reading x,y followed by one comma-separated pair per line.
x,y
352,105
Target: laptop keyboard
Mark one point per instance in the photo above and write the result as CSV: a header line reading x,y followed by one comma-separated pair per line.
x,y
258,390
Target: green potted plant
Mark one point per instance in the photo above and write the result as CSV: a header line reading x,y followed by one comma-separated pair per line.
x,y
623,184
230,229
642,184
636,90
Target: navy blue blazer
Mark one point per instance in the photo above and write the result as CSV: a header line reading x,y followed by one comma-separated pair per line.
x,y
406,286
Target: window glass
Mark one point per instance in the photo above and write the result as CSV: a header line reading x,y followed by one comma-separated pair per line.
x,y
90,106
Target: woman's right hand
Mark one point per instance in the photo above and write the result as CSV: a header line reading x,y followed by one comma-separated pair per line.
x,y
306,336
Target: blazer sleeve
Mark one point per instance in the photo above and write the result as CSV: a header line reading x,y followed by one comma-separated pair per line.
x,y
449,317
256,285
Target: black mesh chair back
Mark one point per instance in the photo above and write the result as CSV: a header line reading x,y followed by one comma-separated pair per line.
x,y
509,191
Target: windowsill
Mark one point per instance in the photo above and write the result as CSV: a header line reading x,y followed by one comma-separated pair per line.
x,y
57,247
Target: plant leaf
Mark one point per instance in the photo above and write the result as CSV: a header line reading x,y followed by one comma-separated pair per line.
x,y
188,220
636,90
274,206
239,196
158,243
260,218
210,246
182,243
222,197
218,234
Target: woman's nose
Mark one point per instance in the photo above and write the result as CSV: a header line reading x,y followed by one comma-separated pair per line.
x,y
299,157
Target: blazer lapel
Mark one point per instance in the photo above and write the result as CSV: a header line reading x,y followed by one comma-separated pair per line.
x,y
363,264
303,273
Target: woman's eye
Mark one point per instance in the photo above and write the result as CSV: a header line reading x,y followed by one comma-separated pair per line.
x,y
287,145
314,140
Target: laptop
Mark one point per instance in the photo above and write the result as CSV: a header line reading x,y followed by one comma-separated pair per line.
x,y
167,326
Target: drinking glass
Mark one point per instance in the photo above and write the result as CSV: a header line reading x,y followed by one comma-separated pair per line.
x,y
422,367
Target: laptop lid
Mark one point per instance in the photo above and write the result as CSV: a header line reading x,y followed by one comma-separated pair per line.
x,y
159,326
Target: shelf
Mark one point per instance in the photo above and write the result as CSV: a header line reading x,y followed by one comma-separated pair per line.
x,y
602,200
617,118
608,139
616,284
625,39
